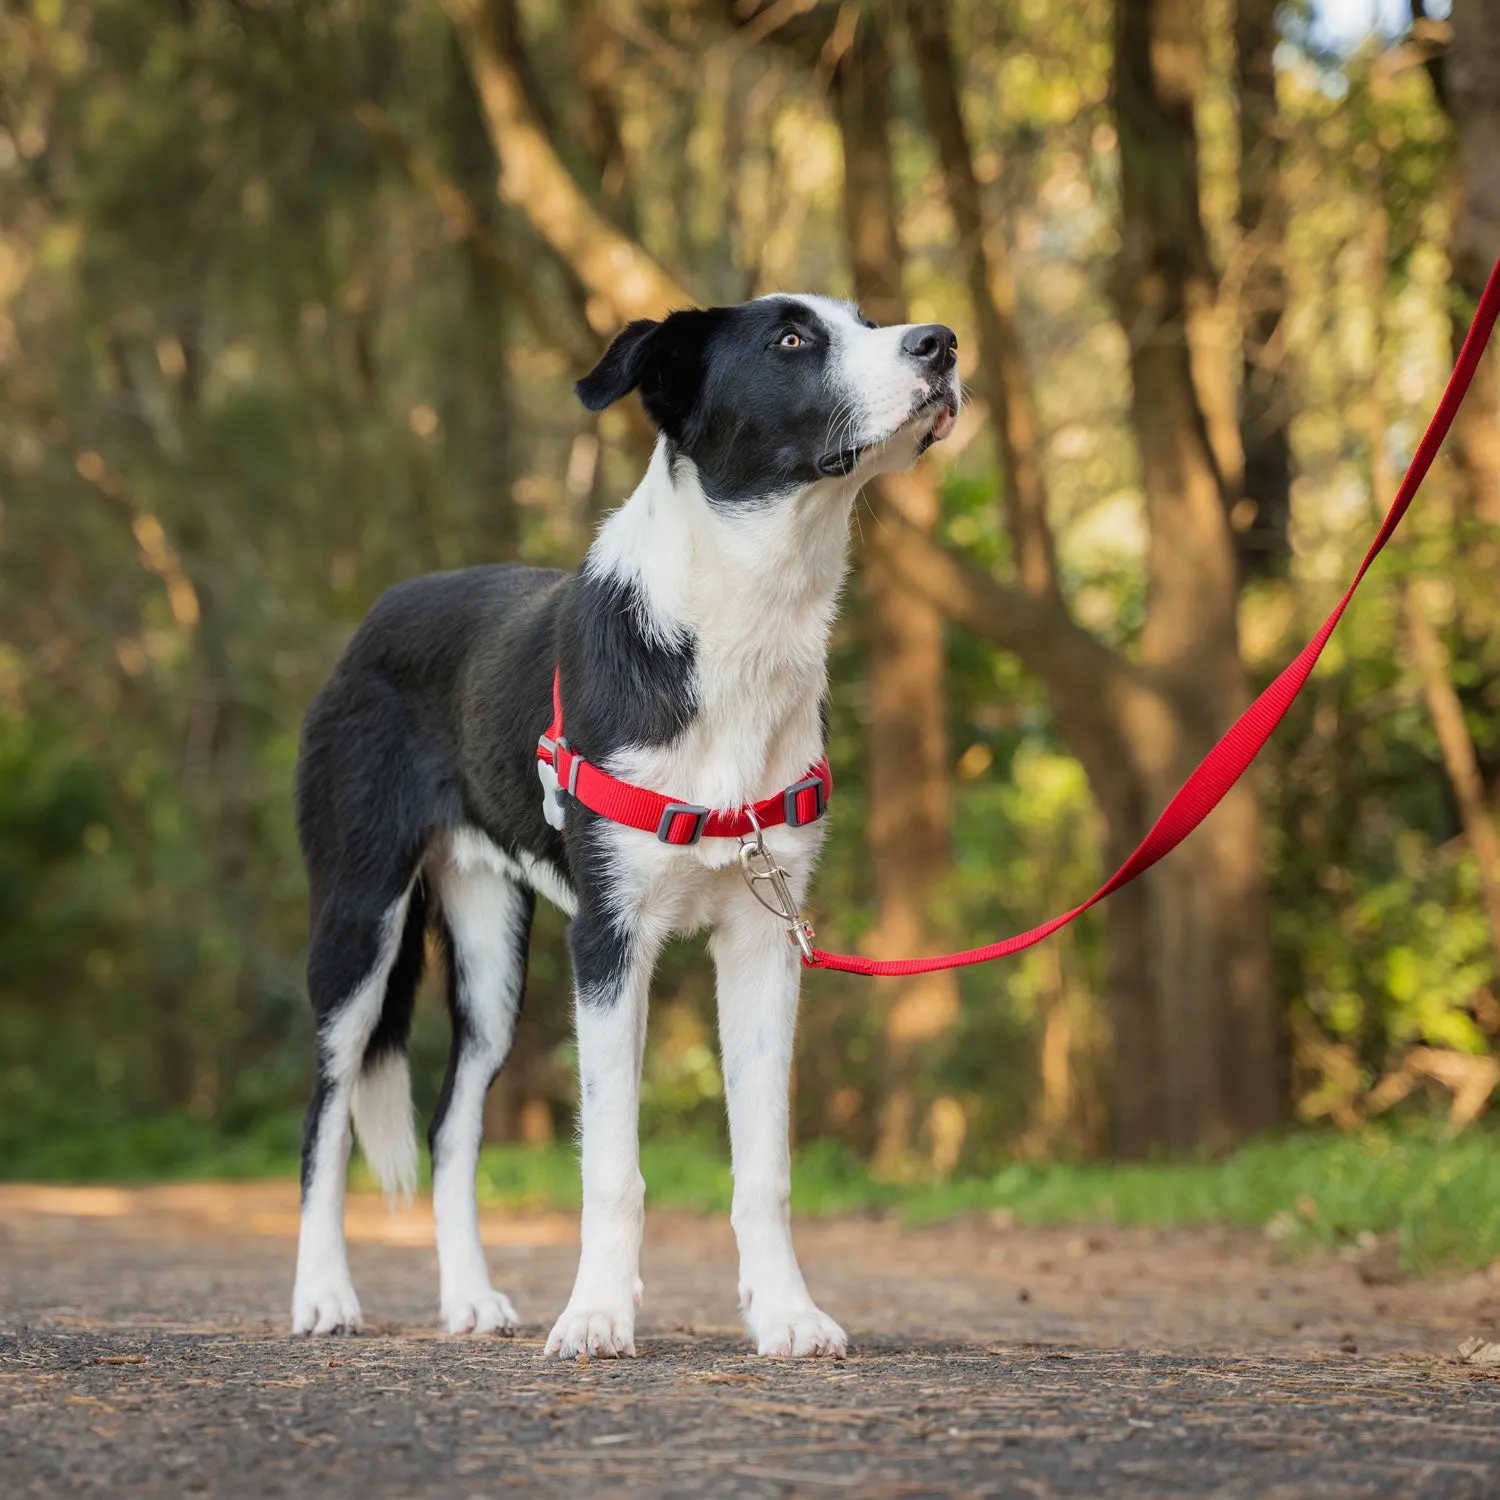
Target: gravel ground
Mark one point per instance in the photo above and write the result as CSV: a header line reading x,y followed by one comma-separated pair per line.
x,y
142,1352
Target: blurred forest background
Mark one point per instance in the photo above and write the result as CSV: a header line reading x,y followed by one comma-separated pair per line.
x,y
292,293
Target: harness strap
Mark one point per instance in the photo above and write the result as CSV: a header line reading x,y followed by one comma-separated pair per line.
x,y
674,822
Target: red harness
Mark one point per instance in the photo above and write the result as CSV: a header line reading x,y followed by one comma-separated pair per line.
x,y
674,822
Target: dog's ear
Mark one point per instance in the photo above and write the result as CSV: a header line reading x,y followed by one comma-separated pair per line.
x,y
664,361
619,372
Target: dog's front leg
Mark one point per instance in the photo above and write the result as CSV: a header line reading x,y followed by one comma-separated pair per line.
x,y
758,979
612,972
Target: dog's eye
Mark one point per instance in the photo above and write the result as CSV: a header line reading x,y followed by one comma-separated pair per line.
x,y
790,340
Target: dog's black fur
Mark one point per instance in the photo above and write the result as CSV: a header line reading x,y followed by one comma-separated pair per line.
x,y
430,721
752,426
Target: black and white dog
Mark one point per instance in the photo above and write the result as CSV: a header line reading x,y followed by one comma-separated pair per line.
x,y
690,651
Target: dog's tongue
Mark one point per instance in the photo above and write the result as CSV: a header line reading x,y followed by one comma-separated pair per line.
x,y
944,424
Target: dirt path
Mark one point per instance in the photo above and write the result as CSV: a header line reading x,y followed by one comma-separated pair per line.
x,y
142,1352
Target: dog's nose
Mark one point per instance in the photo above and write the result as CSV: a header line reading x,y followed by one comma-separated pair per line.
x,y
932,346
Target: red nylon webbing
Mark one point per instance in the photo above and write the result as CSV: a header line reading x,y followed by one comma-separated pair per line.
x,y
638,807
1229,759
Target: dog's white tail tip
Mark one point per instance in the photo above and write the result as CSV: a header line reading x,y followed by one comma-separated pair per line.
x,y
385,1126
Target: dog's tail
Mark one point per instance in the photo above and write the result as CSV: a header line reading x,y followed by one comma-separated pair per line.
x,y
382,1108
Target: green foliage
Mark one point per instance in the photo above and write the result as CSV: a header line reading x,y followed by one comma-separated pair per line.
x,y
53,818
62,894
247,381
159,1148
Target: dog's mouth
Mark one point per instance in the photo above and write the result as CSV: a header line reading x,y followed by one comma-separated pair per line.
x,y
938,411
944,405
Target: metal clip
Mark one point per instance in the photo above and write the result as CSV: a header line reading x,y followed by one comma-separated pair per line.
x,y
760,869
554,798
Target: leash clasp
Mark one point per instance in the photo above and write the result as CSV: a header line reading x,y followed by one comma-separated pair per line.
x,y
554,794
761,871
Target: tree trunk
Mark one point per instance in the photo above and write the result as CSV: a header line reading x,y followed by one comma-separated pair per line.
x,y
906,654
1189,971
1208,318
1213,986
1177,1084
1429,654
1459,759
992,290
622,280
1262,514
518,1106
597,51
1473,93
1191,994
908,765
488,405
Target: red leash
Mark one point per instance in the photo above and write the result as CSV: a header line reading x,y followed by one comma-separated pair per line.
x,y
1229,759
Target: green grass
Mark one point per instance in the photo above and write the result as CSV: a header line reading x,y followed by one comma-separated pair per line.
x,y
1439,1197
163,1148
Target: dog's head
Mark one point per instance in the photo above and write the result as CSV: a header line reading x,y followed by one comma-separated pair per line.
x,y
773,395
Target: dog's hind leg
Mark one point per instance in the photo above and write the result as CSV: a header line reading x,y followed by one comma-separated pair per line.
x,y
758,978
356,949
486,918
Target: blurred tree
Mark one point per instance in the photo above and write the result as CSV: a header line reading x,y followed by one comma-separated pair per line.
x,y
906,656
621,278
1190,982
1261,510
1211,989
1472,92
597,48
271,339
908,828
1464,63
1212,1075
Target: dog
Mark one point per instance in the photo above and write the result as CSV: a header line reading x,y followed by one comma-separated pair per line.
x,y
686,657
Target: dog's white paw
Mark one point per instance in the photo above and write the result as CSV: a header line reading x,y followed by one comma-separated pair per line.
x,y
330,1307
487,1311
798,1330
597,1332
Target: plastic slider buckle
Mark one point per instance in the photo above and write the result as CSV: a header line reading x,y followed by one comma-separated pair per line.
x,y
669,817
789,801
